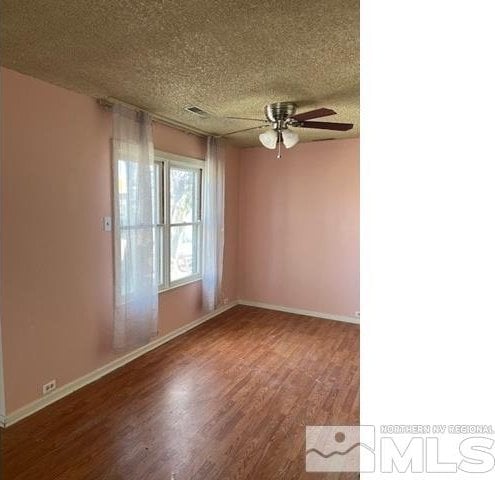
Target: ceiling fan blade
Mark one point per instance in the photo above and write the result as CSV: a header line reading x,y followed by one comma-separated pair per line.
x,y
250,119
341,127
244,130
318,113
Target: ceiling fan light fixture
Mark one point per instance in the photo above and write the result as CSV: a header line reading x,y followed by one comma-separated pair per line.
x,y
269,139
289,138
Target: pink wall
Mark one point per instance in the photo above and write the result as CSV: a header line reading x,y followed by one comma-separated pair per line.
x,y
299,227
57,260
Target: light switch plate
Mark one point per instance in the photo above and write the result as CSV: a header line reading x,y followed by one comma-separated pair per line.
x,y
107,224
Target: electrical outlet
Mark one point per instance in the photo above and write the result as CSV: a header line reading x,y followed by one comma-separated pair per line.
x,y
49,387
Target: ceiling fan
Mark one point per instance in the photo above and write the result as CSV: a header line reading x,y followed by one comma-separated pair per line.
x,y
282,115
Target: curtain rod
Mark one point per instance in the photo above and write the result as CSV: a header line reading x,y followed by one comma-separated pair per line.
x,y
108,102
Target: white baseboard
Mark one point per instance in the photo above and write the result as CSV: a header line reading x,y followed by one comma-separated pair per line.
x,y
299,311
63,391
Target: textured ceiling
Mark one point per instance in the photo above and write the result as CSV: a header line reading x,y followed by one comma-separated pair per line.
x,y
229,57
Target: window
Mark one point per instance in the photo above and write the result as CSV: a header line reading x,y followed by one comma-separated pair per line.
x,y
178,218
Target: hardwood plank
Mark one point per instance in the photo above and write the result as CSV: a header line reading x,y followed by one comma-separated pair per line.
x,y
227,400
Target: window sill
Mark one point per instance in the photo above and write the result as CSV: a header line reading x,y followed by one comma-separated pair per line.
x,y
180,284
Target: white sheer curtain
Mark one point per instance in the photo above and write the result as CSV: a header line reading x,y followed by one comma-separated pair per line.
x,y
213,224
135,259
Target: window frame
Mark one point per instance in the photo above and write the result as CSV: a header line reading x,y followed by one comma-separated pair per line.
x,y
166,161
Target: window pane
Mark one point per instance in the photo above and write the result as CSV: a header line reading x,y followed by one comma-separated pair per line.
x,y
184,195
133,182
158,242
183,251
137,269
123,192
157,193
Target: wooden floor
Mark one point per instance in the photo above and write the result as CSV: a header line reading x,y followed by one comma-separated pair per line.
x,y
228,400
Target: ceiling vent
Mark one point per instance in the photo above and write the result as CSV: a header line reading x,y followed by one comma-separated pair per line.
x,y
197,111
